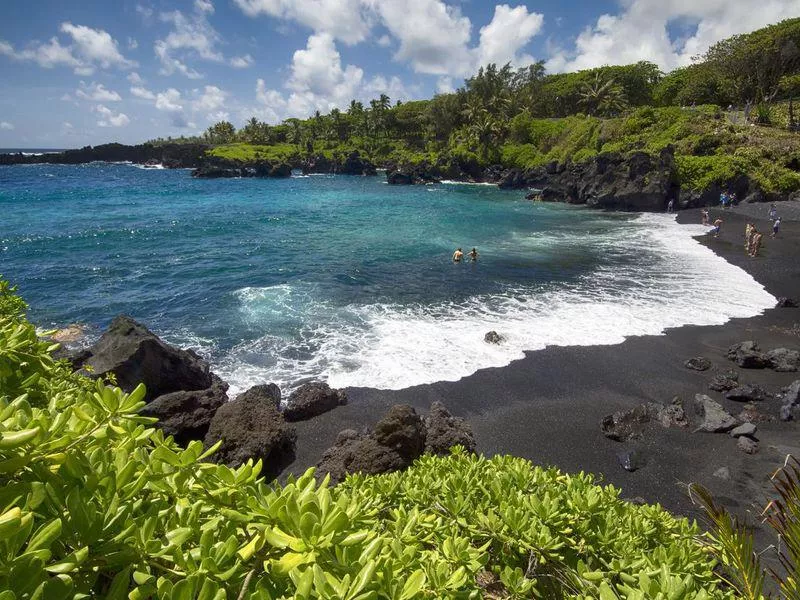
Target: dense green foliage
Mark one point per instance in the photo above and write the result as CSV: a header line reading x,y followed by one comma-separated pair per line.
x,y
96,503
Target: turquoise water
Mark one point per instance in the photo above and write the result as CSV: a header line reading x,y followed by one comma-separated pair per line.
x,y
344,278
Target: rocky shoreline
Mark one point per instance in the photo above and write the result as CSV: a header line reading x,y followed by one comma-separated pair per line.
x,y
635,182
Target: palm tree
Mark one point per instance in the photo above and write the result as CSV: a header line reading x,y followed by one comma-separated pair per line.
x,y
484,133
604,97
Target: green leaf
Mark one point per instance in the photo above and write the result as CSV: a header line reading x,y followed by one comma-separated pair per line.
x,y
15,439
45,536
413,585
119,585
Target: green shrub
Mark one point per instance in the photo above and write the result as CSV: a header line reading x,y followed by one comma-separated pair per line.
x,y
96,503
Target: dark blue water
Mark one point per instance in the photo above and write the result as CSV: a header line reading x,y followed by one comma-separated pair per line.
x,y
341,278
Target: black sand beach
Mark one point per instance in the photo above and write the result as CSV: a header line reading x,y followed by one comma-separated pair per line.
x,y
547,407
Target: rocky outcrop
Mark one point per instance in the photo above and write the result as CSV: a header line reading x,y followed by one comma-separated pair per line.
x,y
698,363
714,418
352,164
639,181
443,431
396,441
747,445
783,360
312,399
133,354
791,401
411,176
623,426
747,429
214,167
187,415
722,382
172,156
748,393
747,355
252,427
492,337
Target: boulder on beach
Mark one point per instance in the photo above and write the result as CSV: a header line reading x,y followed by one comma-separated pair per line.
x,y
186,415
783,360
698,363
312,399
623,426
443,431
715,419
631,460
492,337
784,302
747,355
748,393
751,414
722,382
791,401
747,429
747,445
398,439
136,355
251,426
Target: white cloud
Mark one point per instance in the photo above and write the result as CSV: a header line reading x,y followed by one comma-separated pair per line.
x,y
444,85
640,31
110,119
509,31
272,104
191,36
212,99
204,6
135,78
89,49
384,41
6,125
66,97
347,20
142,92
318,81
95,46
97,92
433,36
241,62
169,101
132,43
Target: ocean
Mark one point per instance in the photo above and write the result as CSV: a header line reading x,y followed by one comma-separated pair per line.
x,y
347,279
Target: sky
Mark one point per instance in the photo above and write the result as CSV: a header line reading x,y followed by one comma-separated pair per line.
x,y
80,72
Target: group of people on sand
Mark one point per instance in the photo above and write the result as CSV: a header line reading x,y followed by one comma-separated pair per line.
x,y
458,255
727,199
752,239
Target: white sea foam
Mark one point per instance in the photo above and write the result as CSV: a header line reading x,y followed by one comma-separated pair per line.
x,y
395,346
453,182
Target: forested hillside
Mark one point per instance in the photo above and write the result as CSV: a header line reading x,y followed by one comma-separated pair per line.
x,y
731,111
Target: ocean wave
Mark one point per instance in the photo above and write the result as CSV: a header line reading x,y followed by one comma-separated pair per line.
x,y
393,346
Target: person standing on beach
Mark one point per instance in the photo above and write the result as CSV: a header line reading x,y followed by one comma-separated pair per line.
x,y
751,239
704,214
773,212
776,226
756,244
458,255
717,227
473,255
670,206
747,229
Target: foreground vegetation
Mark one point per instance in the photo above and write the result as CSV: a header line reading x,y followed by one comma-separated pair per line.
x,y
96,503
730,113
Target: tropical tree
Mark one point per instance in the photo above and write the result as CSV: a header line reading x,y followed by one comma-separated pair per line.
x,y
222,132
484,133
602,97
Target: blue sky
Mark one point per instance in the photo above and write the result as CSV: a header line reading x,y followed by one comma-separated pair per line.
x,y
74,73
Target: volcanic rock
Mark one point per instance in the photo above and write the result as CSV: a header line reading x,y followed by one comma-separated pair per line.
x,y
252,427
747,445
715,419
443,431
632,460
791,400
747,429
784,302
698,363
312,399
493,337
783,360
747,355
722,382
748,393
135,355
186,415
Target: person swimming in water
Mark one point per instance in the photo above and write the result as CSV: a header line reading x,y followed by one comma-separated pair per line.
x,y
458,255
473,255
